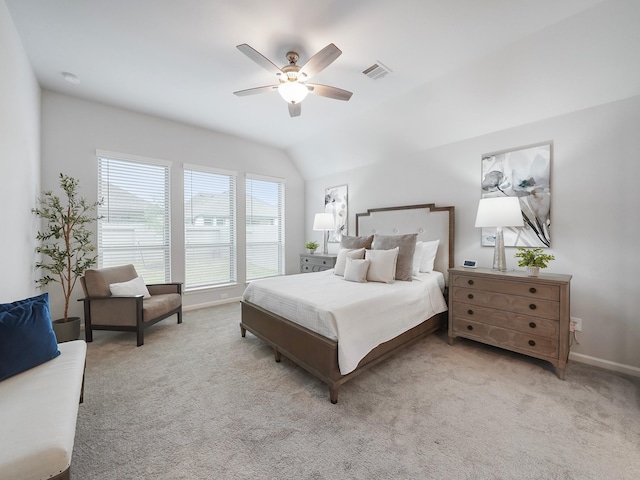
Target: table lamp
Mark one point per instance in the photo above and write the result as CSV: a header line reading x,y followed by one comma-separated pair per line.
x,y
324,222
499,212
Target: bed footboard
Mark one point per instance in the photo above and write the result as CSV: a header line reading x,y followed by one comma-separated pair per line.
x,y
317,354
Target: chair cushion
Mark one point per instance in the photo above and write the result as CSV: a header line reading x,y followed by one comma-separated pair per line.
x,y
159,305
26,335
97,281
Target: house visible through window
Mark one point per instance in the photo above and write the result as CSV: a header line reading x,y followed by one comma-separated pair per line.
x,y
209,227
265,227
136,213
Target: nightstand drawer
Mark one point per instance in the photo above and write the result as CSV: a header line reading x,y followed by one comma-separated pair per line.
x,y
512,321
503,301
512,340
316,262
536,290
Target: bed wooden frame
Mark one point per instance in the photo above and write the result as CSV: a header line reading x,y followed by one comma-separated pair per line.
x,y
319,355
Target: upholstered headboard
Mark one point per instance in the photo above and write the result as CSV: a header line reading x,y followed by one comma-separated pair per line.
x,y
427,220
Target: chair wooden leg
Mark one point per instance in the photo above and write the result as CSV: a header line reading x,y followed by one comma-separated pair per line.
x,y
180,316
140,335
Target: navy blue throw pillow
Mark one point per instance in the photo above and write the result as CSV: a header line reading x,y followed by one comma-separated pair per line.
x,y
26,335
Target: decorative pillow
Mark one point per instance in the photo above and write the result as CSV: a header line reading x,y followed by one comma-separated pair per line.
x,y
417,259
356,242
26,335
341,260
407,247
130,288
356,270
383,265
429,250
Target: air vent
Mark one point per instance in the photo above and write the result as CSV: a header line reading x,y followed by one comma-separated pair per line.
x,y
377,71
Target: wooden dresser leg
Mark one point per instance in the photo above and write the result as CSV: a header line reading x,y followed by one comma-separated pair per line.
x,y
277,355
243,331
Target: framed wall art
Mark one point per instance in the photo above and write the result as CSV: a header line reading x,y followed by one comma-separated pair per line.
x,y
524,173
336,203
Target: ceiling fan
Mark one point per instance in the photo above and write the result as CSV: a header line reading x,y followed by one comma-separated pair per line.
x,y
292,79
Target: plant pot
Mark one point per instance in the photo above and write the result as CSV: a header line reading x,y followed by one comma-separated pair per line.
x,y
311,250
533,271
67,331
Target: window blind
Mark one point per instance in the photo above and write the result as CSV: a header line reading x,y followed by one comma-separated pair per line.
x,y
135,223
209,228
265,227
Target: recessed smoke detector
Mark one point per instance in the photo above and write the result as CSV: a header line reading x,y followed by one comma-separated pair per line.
x,y
71,78
377,70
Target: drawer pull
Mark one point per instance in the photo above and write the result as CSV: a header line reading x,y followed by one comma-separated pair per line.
x,y
469,327
306,259
532,324
324,262
470,282
470,312
470,296
532,343
533,306
532,290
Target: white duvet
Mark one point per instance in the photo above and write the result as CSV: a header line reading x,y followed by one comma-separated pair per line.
x,y
360,316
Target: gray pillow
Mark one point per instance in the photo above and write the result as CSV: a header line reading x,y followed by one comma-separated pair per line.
x,y
356,242
407,247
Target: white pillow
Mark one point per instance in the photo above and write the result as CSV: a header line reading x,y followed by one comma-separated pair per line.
x,y
383,265
130,288
429,250
356,270
417,258
343,254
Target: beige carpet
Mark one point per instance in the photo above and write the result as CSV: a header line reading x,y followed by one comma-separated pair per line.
x,y
197,401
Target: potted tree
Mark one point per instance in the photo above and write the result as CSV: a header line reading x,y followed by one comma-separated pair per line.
x,y
311,246
65,246
533,259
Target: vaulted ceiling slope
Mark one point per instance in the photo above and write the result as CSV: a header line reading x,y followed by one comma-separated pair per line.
x,y
459,68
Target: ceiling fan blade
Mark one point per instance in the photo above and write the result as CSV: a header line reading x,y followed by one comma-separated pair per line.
x,y
260,59
320,61
295,109
330,92
256,90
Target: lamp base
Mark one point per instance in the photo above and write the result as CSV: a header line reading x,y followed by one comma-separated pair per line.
x,y
499,256
324,243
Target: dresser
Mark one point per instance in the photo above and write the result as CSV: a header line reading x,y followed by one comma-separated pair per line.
x,y
510,310
316,262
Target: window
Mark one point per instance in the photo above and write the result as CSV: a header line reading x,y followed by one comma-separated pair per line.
x,y
135,223
265,227
209,227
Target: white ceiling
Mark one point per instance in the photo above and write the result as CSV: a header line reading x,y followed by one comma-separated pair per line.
x,y
177,59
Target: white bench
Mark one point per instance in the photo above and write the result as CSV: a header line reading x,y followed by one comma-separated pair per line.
x,y
38,413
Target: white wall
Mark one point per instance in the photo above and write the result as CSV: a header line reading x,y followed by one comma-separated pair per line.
x,y
595,201
72,130
19,164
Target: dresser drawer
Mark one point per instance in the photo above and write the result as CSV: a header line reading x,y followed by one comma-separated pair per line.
x,y
500,337
511,321
536,290
503,301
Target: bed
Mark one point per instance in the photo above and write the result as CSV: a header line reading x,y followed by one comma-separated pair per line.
x,y
279,310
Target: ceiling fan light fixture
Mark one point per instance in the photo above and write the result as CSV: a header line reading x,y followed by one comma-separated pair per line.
x,y
293,92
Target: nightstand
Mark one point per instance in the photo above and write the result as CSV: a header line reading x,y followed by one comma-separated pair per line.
x,y
316,262
510,310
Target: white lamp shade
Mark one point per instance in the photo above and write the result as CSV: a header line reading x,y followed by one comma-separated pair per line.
x,y
499,212
292,92
323,221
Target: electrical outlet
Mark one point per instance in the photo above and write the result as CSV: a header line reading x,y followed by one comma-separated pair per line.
x,y
577,323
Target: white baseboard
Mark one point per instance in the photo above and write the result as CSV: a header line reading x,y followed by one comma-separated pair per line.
x,y
599,362
210,304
